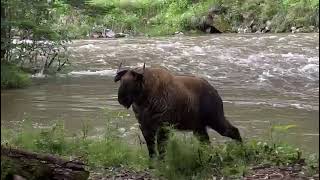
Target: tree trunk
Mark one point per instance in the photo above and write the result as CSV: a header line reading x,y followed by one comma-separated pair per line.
x,y
3,30
34,166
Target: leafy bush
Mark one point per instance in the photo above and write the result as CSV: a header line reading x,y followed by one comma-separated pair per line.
x,y
13,77
31,39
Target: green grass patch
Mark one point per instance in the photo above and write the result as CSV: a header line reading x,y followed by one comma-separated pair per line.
x,y
106,151
186,158
13,77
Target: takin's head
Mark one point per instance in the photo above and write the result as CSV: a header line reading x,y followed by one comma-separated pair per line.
x,y
131,84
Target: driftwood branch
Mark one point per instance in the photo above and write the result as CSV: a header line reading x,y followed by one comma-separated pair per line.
x,y
39,166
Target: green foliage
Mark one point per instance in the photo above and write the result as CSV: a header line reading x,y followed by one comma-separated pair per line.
x,y
29,37
164,17
13,77
33,20
24,24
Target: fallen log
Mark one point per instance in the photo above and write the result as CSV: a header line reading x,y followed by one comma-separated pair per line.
x,y
30,165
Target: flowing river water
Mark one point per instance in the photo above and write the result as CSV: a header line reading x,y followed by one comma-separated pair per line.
x,y
264,80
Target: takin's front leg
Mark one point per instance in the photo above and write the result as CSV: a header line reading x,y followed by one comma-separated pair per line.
x,y
149,137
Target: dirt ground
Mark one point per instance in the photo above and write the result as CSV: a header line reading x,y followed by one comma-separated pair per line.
x,y
280,172
297,172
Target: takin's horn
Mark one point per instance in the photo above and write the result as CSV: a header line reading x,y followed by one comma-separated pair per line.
x,y
144,67
119,66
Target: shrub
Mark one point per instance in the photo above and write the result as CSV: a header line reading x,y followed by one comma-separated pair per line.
x,y
13,77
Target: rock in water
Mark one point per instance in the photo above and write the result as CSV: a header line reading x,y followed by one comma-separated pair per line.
x,y
122,130
178,33
109,33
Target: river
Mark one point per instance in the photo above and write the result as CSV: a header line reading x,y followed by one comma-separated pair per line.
x,y
264,80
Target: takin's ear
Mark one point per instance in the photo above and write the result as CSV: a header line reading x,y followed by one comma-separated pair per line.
x,y
119,75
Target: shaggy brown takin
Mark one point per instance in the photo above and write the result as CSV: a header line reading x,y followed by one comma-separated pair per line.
x,y
159,98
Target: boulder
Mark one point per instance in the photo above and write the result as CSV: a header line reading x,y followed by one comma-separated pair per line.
x,y
222,24
293,29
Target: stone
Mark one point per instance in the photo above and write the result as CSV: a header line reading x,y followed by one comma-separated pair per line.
x,y
122,130
178,33
247,30
120,35
109,33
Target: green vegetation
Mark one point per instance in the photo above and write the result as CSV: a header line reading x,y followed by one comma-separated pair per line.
x,y
186,158
13,77
165,17
106,151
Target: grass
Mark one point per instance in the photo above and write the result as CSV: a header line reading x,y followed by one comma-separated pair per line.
x,y
13,77
186,158
102,152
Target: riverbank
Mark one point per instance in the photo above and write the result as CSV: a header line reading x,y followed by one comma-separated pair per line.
x,y
159,18
111,157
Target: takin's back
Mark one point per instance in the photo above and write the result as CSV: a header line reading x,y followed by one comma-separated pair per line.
x,y
185,86
195,85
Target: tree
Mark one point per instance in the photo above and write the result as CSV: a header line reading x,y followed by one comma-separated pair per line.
x,y
28,35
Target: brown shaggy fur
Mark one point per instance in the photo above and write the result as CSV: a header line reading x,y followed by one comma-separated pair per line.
x,y
159,98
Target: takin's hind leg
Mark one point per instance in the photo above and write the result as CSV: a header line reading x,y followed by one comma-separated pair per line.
x,y
162,138
202,135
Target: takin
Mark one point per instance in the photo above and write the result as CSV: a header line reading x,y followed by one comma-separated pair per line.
x,y
159,98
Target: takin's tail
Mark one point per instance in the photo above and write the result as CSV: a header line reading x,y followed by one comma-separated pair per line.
x,y
225,128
